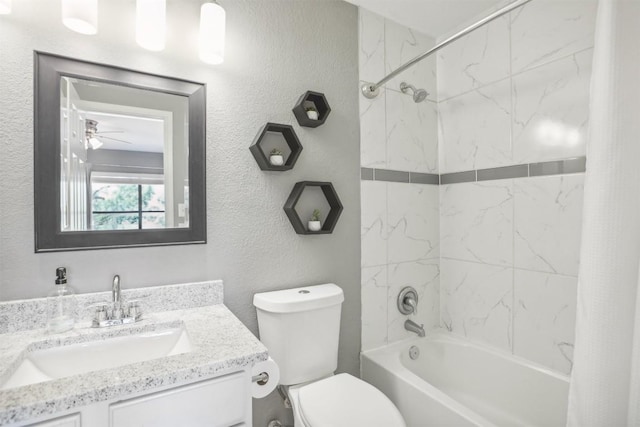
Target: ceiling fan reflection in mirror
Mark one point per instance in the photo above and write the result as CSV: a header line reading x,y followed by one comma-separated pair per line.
x,y
93,137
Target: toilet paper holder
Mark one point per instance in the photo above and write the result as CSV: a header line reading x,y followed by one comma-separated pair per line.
x,y
262,378
265,376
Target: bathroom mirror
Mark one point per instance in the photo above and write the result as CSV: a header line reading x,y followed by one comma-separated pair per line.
x,y
119,157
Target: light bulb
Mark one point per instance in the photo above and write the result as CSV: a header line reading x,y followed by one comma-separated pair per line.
x,y
151,24
80,15
5,7
212,33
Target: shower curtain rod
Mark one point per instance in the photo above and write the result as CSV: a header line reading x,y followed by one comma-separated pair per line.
x,y
371,90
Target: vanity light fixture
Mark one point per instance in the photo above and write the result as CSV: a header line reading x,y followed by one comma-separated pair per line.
x,y
151,24
212,33
80,15
5,7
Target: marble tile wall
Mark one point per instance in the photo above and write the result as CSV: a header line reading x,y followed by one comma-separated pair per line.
x,y
495,261
516,91
510,252
395,132
400,221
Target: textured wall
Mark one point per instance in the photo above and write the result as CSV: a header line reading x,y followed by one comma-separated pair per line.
x,y
514,92
275,51
400,234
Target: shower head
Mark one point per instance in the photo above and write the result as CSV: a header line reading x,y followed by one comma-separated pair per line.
x,y
419,95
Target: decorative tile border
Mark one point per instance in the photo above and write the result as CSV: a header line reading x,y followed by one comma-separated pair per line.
x,y
556,167
506,172
456,177
391,175
388,175
366,174
575,165
424,178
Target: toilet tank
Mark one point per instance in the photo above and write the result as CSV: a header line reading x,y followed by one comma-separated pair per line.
x,y
301,327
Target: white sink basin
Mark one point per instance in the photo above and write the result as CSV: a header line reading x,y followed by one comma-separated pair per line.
x,y
59,362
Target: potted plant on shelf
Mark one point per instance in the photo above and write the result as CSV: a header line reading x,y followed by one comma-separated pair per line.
x,y
312,113
275,157
314,222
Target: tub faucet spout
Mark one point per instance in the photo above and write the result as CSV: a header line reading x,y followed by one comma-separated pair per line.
x,y
412,326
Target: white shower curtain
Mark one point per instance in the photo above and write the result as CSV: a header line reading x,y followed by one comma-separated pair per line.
x,y
605,383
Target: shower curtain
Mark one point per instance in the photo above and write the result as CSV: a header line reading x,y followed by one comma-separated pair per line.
x,y
605,383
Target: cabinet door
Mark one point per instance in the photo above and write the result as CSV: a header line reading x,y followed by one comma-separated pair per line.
x,y
68,421
221,401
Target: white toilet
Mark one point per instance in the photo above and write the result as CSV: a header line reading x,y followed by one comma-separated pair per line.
x,y
301,327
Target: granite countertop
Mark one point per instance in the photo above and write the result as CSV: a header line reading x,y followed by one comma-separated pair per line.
x,y
221,344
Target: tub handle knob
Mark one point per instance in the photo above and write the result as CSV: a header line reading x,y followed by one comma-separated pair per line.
x,y
408,301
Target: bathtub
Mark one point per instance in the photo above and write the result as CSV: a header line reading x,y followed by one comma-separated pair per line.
x,y
456,383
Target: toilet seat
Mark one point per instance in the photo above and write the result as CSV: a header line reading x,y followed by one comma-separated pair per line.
x,y
345,401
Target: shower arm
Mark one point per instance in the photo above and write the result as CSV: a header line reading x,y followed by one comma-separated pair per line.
x,y
371,90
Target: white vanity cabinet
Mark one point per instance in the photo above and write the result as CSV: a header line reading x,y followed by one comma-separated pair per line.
x,y
72,420
222,401
219,402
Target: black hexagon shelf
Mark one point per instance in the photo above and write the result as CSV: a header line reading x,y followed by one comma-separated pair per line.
x,y
311,99
290,138
332,198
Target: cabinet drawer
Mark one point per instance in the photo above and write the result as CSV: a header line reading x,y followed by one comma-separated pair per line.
x,y
68,421
222,401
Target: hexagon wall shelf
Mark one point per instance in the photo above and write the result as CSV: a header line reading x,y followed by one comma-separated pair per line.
x,y
319,101
290,138
332,198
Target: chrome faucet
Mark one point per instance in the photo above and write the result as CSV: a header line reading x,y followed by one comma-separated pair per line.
x,y
113,315
412,326
115,290
408,304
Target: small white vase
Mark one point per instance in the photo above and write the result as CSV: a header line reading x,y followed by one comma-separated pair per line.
x,y
276,160
313,115
314,226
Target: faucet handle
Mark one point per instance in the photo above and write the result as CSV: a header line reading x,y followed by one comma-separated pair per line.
x,y
133,310
101,314
411,302
408,301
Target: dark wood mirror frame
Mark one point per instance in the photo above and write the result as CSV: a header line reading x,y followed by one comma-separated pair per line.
x,y
48,236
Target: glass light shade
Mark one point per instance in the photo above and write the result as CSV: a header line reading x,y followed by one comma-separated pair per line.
x,y
5,7
95,143
151,24
212,31
80,15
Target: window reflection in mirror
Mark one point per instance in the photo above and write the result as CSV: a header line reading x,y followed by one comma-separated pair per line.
x,y
124,157
119,157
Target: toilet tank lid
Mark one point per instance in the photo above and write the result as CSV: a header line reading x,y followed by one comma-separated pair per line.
x,y
299,299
